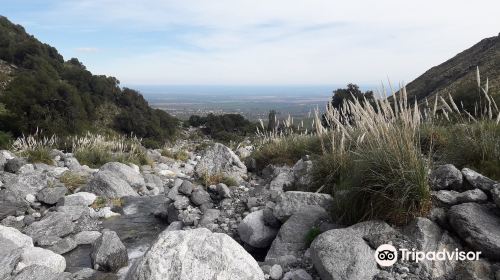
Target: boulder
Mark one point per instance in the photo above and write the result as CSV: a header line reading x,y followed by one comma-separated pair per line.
x,y
495,194
79,199
479,226
196,254
87,237
342,254
37,272
28,184
199,197
254,232
51,195
209,216
40,256
302,173
53,224
477,180
292,202
283,180
15,236
125,172
448,198
186,188
223,190
14,165
72,163
428,236
446,177
109,253
474,270
220,160
276,272
10,254
292,236
63,246
107,184
10,204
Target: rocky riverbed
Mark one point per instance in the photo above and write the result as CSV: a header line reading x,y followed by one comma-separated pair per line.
x,y
161,222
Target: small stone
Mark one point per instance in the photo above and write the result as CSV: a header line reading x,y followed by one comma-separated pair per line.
x,y
186,188
223,190
200,196
276,272
30,198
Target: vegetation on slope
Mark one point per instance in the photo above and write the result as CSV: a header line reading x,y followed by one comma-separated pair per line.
x,y
225,128
62,97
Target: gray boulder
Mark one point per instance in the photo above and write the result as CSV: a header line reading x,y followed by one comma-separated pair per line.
x,y
196,254
343,254
15,236
10,255
86,237
220,160
254,232
14,165
292,202
63,246
478,226
78,199
107,184
477,180
11,203
37,272
302,173
186,188
448,198
199,196
495,194
291,239
54,224
209,216
446,177
428,236
109,253
283,180
51,195
223,191
40,256
125,172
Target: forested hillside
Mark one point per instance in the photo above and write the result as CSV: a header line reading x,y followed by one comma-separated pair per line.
x,y
40,90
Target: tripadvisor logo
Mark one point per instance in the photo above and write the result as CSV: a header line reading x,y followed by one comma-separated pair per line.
x,y
387,255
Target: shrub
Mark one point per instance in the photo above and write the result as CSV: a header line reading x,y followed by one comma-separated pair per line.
x,y
475,145
39,155
177,155
286,150
94,158
208,180
99,202
5,140
72,180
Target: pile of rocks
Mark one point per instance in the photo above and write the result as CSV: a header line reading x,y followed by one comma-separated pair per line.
x,y
262,228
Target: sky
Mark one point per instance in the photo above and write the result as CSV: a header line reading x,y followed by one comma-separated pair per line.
x,y
257,42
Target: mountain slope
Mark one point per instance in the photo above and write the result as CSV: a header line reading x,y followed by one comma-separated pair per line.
x,y
39,90
457,76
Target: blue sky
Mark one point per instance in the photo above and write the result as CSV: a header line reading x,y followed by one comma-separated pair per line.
x,y
264,42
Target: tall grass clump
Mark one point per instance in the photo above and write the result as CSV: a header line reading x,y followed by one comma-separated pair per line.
x,y
382,173
35,147
95,150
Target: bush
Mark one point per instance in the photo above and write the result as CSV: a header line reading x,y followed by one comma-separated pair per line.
x,y
72,180
286,150
208,180
94,158
475,145
5,140
39,155
177,155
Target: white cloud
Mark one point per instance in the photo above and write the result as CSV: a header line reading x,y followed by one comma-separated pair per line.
x,y
287,41
87,49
